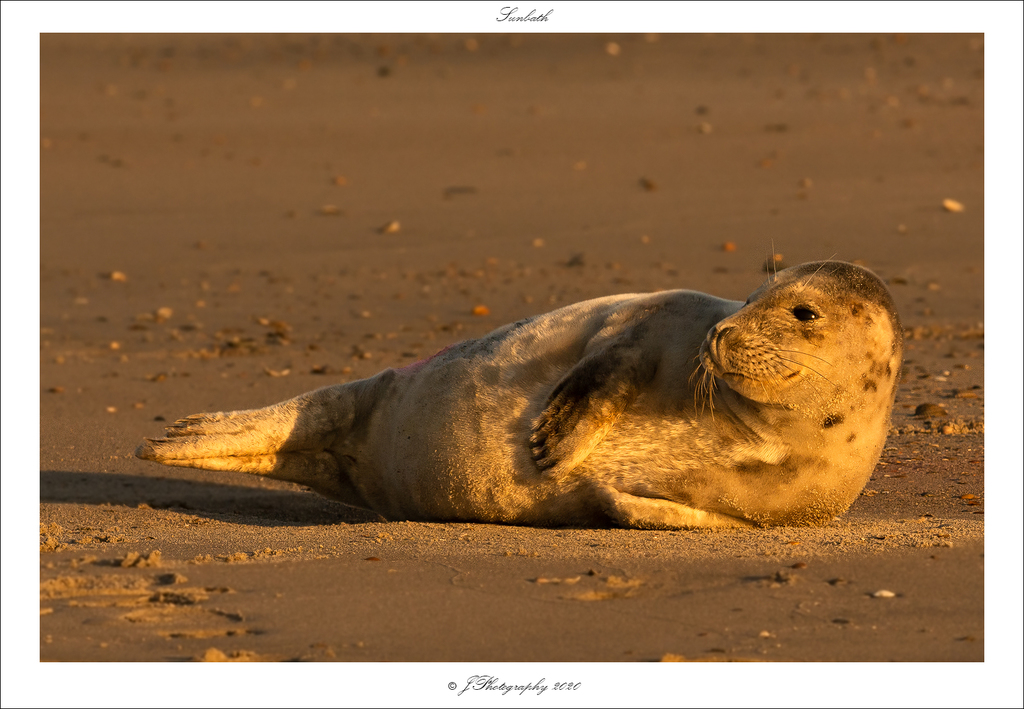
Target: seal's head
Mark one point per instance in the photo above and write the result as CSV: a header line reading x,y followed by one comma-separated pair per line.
x,y
817,337
806,375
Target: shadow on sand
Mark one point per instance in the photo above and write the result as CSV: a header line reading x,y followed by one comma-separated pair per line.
x,y
261,507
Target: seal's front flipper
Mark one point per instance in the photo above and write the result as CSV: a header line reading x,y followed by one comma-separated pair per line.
x,y
635,512
585,404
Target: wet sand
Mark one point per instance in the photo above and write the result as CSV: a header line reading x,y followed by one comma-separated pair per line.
x,y
228,221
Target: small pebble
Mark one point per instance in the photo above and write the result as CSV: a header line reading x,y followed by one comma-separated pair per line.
x,y
174,578
613,49
481,310
570,581
927,410
883,594
538,243
391,227
648,185
118,276
951,205
330,210
729,246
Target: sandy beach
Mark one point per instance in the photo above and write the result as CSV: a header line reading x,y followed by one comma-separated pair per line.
x,y
230,221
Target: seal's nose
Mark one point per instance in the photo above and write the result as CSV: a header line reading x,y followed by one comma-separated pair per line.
x,y
715,340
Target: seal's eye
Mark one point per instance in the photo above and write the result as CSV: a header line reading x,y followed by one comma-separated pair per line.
x,y
804,313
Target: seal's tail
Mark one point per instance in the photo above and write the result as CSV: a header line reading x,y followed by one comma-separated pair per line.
x,y
287,441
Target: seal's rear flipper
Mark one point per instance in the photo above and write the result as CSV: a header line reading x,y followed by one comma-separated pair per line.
x,y
320,471
287,441
635,512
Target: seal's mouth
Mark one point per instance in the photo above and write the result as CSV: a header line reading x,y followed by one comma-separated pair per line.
x,y
735,377
711,364
714,366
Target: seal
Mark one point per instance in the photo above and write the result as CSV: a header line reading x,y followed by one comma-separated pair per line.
x,y
666,410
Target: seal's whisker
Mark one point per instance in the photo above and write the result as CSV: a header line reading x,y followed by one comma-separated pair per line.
x,y
782,365
767,396
817,396
823,264
711,394
801,364
820,398
806,354
699,389
704,391
697,404
768,261
698,367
